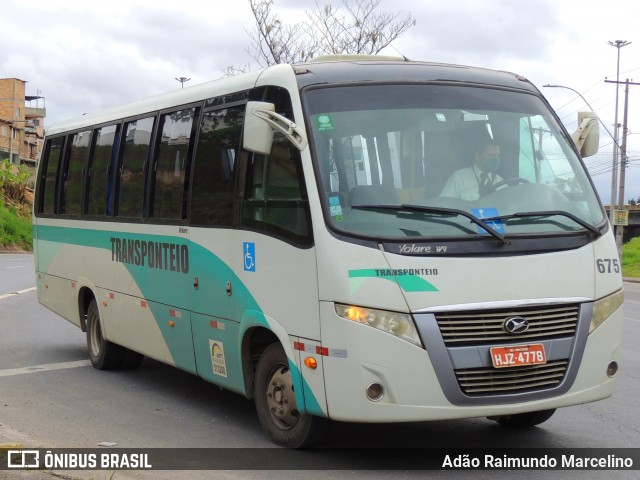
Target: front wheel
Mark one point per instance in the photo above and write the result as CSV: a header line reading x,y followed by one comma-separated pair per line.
x,y
524,420
276,403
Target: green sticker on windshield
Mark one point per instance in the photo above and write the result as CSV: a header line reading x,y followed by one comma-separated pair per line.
x,y
325,124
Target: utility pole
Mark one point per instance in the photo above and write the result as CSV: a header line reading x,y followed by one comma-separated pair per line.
x,y
623,164
614,172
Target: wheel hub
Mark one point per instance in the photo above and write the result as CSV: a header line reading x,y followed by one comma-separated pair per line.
x,y
281,398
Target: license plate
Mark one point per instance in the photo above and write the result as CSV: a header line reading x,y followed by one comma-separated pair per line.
x,y
519,355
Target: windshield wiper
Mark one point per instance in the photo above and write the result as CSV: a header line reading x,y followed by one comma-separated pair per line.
x,y
450,212
548,213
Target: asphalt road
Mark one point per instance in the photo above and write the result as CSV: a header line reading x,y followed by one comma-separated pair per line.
x,y
51,397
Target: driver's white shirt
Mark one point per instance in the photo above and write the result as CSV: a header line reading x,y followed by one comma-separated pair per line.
x,y
465,183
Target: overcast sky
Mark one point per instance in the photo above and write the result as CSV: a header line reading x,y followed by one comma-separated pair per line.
x,y
84,56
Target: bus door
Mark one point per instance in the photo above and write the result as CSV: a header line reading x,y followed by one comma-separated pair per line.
x,y
214,258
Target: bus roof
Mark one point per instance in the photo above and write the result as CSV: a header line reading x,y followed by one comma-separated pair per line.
x,y
356,69
328,69
177,97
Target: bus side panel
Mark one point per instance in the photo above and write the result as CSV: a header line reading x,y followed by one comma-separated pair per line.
x,y
284,283
57,278
59,295
216,345
125,285
155,330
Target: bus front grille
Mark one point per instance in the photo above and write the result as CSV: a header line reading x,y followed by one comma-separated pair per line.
x,y
484,327
504,381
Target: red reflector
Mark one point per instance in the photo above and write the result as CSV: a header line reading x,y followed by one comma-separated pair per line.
x,y
112,296
298,346
172,313
324,351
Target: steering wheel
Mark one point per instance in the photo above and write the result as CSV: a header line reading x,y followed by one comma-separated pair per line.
x,y
507,181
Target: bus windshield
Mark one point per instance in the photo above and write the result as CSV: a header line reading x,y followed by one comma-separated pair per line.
x,y
410,160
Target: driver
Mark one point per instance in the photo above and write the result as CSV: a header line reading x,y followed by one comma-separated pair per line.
x,y
473,182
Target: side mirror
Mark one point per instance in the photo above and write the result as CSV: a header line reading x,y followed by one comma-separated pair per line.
x,y
258,134
587,136
261,121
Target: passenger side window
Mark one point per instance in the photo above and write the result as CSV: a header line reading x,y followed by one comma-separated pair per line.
x,y
100,179
214,167
48,180
171,164
276,197
132,171
73,178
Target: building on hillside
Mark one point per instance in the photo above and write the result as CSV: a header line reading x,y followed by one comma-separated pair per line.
x,y
21,123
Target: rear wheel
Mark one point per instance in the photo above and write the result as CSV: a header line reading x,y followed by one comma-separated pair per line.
x,y
130,359
105,355
276,403
525,420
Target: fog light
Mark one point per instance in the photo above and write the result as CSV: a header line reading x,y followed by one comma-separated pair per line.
x,y
612,369
375,392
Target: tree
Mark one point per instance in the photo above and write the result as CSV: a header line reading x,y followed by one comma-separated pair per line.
x,y
359,28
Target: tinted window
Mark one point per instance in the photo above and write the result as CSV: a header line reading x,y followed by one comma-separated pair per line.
x,y
52,159
172,161
276,196
136,153
73,180
100,193
216,154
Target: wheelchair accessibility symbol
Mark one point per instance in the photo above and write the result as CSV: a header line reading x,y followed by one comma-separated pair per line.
x,y
249,256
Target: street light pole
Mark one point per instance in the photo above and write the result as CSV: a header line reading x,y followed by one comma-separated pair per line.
x,y
182,80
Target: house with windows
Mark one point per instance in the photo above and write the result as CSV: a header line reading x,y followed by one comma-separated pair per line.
x,y
21,123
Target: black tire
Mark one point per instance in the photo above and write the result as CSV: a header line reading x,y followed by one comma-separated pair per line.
x,y
130,359
105,355
276,404
525,420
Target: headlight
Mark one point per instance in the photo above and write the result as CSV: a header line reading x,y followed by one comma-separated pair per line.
x,y
604,307
398,324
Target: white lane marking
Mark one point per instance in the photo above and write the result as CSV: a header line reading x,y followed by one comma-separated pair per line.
x,y
18,292
44,368
17,266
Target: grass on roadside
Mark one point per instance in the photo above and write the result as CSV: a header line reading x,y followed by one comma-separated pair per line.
x,y
631,258
15,228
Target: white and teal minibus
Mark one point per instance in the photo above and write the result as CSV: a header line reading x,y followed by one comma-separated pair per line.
x,y
287,235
